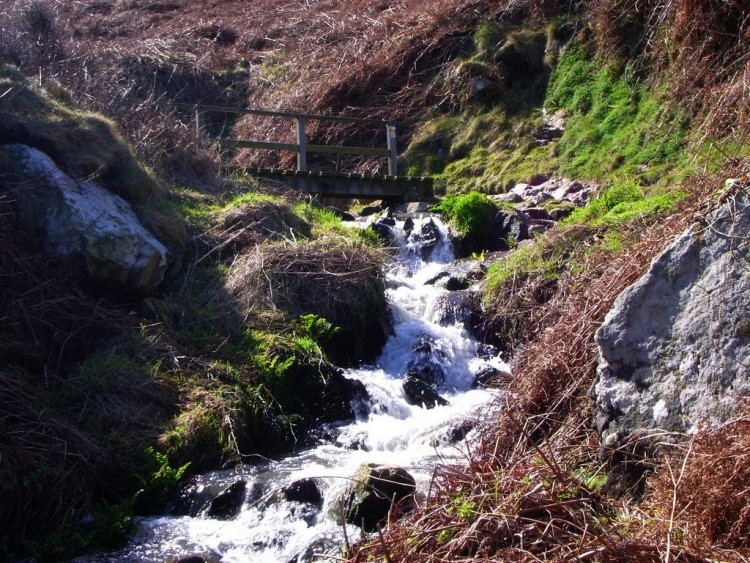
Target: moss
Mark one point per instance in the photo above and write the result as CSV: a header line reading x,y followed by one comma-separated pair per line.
x,y
473,216
490,124
615,122
521,263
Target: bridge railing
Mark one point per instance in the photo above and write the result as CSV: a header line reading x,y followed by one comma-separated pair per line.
x,y
301,147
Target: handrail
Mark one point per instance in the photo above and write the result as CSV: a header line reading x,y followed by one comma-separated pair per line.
x,y
301,147
291,115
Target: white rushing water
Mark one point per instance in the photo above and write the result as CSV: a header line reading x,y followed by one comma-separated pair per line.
x,y
270,529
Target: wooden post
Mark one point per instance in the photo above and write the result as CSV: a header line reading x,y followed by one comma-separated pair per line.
x,y
301,145
390,131
199,127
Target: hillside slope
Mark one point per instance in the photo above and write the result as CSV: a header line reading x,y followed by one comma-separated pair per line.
x,y
656,110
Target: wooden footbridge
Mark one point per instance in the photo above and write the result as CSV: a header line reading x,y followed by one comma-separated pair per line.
x,y
389,186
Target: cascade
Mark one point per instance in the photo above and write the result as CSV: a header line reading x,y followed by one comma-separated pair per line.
x,y
275,526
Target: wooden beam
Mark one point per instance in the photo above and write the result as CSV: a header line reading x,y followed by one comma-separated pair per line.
x,y
291,147
390,133
301,145
259,145
362,151
284,114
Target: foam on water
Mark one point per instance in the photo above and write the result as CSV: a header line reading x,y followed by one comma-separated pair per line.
x,y
270,529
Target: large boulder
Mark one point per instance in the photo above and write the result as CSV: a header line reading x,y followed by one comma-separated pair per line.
x,y
95,227
374,490
675,348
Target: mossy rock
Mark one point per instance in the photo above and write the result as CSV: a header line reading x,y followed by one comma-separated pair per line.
x,y
375,489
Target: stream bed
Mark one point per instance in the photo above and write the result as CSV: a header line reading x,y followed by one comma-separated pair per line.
x,y
271,527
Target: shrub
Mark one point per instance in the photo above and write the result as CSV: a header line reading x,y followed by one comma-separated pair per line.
x,y
340,282
473,216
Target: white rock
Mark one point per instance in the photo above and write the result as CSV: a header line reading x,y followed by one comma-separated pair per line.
x,y
89,223
676,344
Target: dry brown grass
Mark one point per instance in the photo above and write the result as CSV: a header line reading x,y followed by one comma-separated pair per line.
x,y
47,320
372,58
336,280
702,489
40,455
528,479
68,438
364,58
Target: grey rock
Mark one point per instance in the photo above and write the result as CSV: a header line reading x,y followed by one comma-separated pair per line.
x,y
457,432
538,213
491,378
199,558
384,231
557,189
304,491
427,238
456,284
538,179
541,197
510,197
372,209
674,349
341,214
512,226
408,225
560,213
440,277
228,503
428,361
374,490
420,393
455,308
95,227
413,209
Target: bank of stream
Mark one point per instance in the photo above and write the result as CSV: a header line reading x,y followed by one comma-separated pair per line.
x,y
271,525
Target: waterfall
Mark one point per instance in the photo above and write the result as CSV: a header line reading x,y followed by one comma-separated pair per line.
x,y
271,526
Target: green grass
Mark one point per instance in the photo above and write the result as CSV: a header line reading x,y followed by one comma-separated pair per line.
x,y
473,217
252,198
615,123
622,202
520,264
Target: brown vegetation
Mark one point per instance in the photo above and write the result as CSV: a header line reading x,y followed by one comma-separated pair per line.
x,y
51,416
365,58
341,283
532,489
527,492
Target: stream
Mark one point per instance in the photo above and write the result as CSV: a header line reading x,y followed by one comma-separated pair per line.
x,y
270,528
